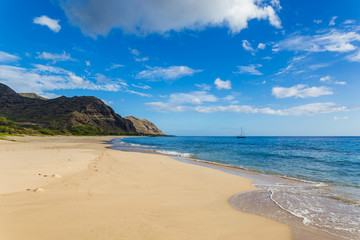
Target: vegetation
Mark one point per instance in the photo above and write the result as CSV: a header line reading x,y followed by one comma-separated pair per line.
x,y
8,127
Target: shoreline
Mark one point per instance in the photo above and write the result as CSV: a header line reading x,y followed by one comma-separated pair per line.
x,y
273,210
113,194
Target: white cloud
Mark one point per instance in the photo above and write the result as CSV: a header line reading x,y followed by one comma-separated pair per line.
x,y
220,84
42,78
7,57
251,69
114,66
291,65
355,57
303,110
332,41
134,51
341,118
55,57
340,82
318,21
76,79
300,91
137,57
247,46
203,86
52,24
88,63
143,59
349,21
138,93
153,16
176,99
141,86
325,79
299,64
195,97
318,66
169,73
107,102
314,109
261,46
102,79
332,21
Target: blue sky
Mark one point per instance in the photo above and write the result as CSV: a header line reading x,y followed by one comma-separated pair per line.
x,y
204,67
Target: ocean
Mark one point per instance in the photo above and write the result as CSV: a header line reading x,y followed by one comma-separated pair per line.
x,y
323,173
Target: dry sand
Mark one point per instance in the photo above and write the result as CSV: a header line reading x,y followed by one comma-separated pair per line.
x,y
76,188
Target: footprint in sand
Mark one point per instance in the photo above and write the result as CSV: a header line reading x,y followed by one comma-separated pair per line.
x,y
53,176
38,190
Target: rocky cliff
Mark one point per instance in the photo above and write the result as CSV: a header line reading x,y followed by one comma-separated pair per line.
x,y
144,126
62,112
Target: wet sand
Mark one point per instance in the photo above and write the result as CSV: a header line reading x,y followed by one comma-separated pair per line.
x,y
78,188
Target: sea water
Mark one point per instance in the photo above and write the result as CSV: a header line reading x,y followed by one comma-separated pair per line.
x,y
324,190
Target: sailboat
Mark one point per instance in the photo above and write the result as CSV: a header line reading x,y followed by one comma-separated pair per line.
x,y
242,135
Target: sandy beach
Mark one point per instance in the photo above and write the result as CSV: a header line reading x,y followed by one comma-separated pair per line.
x,y
77,188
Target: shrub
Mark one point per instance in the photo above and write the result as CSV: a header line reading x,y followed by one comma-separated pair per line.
x,y
85,130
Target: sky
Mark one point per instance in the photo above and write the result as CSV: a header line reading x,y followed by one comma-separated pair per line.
x,y
194,68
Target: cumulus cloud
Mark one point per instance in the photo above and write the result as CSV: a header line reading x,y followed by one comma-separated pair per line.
x,y
56,57
7,57
332,21
332,41
251,69
169,73
52,24
42,78
220,84
96,17
300,91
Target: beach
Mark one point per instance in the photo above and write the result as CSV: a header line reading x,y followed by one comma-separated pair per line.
x,y
78,188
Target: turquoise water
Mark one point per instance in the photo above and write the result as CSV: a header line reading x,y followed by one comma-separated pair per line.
x,y
331,160
328,169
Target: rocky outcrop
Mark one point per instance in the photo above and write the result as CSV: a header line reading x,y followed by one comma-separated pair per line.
x,y
144,126
62,112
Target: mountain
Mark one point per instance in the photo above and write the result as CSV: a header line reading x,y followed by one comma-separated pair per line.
x,y
62,112
144,126
32,95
